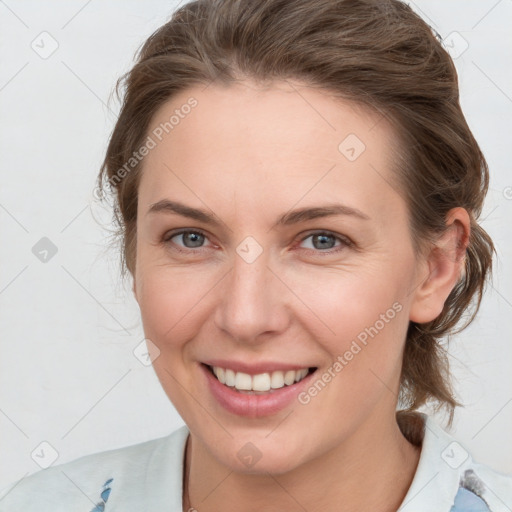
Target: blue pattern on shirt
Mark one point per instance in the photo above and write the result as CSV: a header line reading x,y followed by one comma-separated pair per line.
x,y
105,493
466,501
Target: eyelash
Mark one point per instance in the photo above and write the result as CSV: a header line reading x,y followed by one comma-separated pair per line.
x,y
345,241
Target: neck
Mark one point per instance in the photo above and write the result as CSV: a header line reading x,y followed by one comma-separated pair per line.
x,y
372,470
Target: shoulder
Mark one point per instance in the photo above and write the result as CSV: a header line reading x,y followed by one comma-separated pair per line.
x,y
92,480
491,488
448,479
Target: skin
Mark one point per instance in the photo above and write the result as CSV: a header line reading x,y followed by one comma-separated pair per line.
x,y
248,155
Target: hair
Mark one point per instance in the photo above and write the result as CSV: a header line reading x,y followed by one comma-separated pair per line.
x,y
374,53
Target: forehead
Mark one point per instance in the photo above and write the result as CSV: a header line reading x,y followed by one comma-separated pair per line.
x,y
274,145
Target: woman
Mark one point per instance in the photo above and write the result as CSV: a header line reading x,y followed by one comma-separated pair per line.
x,y
297,193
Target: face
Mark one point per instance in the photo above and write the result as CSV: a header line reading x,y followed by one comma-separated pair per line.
x,y
270,243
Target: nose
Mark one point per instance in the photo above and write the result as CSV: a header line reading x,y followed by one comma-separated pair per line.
x,y
253,302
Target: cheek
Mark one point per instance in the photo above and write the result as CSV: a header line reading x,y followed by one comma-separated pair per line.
x,y
347,303
173,303
367,323
359,319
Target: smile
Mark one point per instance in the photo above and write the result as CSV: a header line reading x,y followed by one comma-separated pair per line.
x,y
255,390
261,382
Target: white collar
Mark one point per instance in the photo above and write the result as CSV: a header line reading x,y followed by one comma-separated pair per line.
x,y
434,486
436,481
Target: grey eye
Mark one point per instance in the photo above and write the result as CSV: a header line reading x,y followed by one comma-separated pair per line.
x,y
190,239
321,241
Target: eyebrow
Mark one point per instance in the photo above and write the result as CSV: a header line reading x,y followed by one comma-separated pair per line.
x,y
287,219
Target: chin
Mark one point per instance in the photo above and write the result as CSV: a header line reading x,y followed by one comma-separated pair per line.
x,y
274,465
257,455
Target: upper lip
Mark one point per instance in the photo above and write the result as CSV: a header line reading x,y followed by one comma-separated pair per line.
x,y
255,368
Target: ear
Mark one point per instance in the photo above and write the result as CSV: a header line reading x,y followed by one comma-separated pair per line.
x,y
441,268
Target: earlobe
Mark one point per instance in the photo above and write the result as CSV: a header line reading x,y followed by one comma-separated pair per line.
x,y
441,269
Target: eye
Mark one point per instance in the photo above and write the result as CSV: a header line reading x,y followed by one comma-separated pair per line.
x,y
324,242
188,239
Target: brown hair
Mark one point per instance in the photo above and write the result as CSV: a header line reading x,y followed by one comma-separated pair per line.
x,y
377,53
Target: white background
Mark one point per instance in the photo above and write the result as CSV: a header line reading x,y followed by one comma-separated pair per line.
x,y
68,326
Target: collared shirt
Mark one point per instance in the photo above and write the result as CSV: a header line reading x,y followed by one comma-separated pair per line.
x,y
148,477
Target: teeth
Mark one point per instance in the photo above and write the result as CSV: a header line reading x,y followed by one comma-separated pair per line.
x,y
221,374
277,380
230,377
243,381
260,382
289,377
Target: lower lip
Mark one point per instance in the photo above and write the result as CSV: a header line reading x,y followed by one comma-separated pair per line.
x,y
253,406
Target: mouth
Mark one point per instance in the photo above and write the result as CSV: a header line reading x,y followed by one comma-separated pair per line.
x,y
259,384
